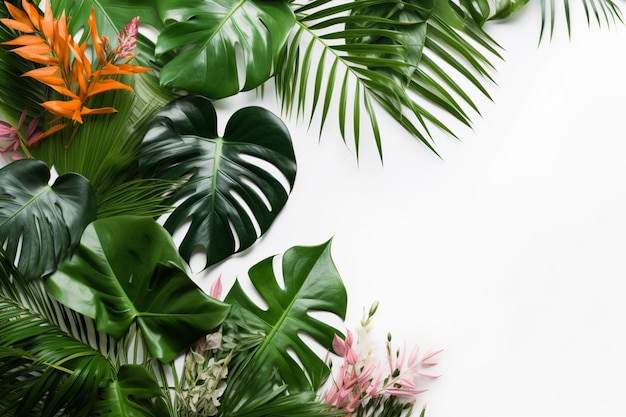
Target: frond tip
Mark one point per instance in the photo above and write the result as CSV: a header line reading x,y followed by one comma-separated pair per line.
x,y
378,54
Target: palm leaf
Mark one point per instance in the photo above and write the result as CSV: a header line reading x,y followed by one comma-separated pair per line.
x,y
602,11
311,283
18,93
43,368
40,224
376,52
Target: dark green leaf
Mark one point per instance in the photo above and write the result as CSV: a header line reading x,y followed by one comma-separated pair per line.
x,y
127,269
229,193
41,368
134,393
41,223
205,33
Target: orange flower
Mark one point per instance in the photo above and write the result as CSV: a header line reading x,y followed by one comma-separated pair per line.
x,y
66,67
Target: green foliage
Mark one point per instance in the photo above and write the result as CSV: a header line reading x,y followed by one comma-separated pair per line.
x,y
111,15
41,223
18,93
311,284
134,393
127,269
227,190
603,11
205,33
42,370
370,52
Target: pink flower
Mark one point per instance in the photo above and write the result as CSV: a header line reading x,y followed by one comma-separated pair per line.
x,y
12,137
216,288
405,371
127,40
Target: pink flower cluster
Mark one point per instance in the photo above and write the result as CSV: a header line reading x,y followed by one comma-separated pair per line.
x,y
360,383
12,137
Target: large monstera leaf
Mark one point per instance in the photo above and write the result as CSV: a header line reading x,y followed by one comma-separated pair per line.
x,y
230,193
311,284
41,223
127,269
134,393
206,34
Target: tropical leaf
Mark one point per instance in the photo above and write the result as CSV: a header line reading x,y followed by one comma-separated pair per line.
x,y
311,284
206,33
18,93
602,11
104,149
111,16
42,370
230,197
127,269
39,223
372,53
134,393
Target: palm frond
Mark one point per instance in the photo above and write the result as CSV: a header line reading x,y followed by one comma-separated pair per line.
x,y
43,366
140,197
604,12
395,55
104,148
18,93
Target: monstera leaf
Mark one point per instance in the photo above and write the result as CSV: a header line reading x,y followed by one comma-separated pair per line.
x,y
207,33
41,223
133,394
229,193
311,284
127,269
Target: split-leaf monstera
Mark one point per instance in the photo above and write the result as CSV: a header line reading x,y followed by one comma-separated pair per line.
x,y
134,393
41,223
311,284
229,189
127,269
206,35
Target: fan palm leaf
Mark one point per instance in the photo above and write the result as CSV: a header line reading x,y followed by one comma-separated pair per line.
x,y
397,55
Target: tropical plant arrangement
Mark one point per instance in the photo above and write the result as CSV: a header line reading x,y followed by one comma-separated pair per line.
x,y
111,143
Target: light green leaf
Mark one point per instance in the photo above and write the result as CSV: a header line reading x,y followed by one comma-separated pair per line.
x,y
234,190
206,35
41,223
127,269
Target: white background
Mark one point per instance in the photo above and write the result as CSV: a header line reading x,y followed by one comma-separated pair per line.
x,y
508,252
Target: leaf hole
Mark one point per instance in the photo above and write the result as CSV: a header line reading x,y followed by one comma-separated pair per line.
x,y
277,265
245,207
258,192
241,65
269,168
233,231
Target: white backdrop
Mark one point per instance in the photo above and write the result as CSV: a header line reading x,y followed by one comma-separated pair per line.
x,y
508,252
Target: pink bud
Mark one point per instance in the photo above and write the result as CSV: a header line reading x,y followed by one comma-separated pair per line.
x,y
216,288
